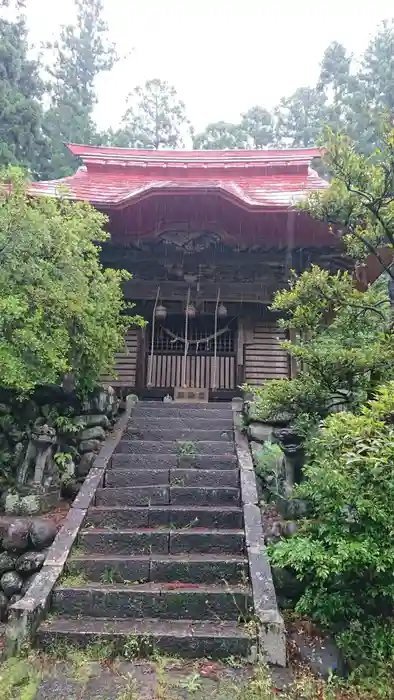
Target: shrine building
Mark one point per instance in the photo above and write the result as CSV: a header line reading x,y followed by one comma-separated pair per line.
x,y
209,237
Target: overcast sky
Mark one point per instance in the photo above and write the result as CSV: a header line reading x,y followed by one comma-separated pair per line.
x,y
223,56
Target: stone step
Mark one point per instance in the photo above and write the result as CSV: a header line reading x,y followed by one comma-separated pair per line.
x,y
162,495
210,517
173,461
208,422
163,541
174,477
176,411
186,638
185,437
208,405
195,568
189,601
148,447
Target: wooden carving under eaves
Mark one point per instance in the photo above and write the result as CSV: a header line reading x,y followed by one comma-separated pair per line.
x,y
190,241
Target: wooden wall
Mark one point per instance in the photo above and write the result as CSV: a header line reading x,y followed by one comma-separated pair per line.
x,y
263,357
126,362
259,358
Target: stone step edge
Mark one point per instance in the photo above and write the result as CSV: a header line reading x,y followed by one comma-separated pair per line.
x,y
176,405
271,635
176,470
223,443
191,639
163,530
176,508
154,588
161,419
169,487
173,477
146,626
191,558
180,460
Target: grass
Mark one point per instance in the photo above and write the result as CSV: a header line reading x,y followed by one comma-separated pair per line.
x,y
73,579
186,448
21,677
130,692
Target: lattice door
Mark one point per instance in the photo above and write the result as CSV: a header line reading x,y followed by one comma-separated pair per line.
x,y
165,368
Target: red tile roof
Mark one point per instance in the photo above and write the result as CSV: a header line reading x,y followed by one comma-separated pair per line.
x,y
254,179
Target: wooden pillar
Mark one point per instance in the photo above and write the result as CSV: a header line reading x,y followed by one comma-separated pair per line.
x,y
240,375
140,377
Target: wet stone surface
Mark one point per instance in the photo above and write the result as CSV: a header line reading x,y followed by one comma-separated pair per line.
x,y
144,680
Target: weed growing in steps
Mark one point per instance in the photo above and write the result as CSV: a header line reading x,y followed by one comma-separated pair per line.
x,y
130,692
21,677
186,448
73,579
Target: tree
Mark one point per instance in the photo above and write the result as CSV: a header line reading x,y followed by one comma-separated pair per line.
x,y
156,118
359,204
255,130
21,138
82,52
377,69
374,96
258,125
60,311
343,352
220,135
339,86
300,118
343,552
349,356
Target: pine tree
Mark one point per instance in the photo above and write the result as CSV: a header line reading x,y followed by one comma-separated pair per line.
x,y
82,52
374,96
156,118
300,118
21,138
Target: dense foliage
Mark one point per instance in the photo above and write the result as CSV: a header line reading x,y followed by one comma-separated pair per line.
x,y
359,204
343,339
343,344
344,347
345,551
21,138
50,101
60,311
349,95
81,53
155,118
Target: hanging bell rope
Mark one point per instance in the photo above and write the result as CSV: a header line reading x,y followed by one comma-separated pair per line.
x,y
186,340
215,348
152,345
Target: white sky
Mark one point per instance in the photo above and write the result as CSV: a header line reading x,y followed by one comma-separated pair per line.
x,y
223,56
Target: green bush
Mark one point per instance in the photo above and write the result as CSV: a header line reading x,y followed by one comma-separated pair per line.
x,y
343,351
60,310
345,550
268,460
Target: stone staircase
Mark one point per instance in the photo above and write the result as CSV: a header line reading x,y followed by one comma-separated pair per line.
x,y
161,558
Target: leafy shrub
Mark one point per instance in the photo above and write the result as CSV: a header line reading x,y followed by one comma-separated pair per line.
x,y
343,351
268,460
60,310
345,550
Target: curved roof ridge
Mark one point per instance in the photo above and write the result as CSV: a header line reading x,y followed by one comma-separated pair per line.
x,y
113,155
